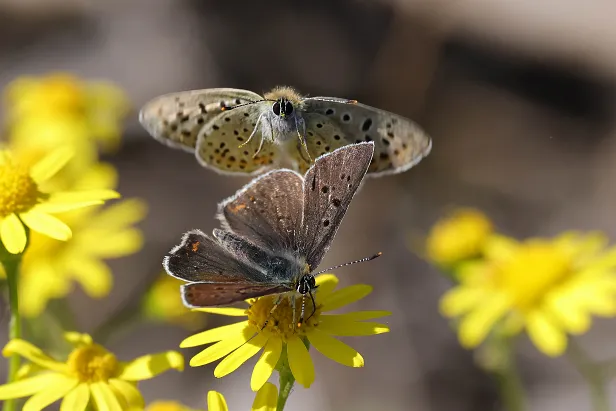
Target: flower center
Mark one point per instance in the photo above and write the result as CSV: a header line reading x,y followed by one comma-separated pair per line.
x,y
18,191
533,271
279,319
92,363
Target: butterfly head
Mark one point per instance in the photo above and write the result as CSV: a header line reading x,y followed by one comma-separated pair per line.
x,y
283,107
306,284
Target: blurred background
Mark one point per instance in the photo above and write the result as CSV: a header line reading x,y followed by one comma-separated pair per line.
x,y
518,97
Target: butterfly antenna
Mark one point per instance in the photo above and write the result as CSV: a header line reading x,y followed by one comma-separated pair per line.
x,y
225,108
377,255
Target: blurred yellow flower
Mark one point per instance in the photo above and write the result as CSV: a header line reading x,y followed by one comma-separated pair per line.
x,y
162,302
50,267
23,202
60,108
91,375
550,287
275,331
265,400
458,237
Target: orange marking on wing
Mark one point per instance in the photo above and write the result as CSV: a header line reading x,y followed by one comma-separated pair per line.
x,y
195,246
236,208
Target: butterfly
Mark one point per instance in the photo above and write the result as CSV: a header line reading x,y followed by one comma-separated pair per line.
x,y
275,232
239,132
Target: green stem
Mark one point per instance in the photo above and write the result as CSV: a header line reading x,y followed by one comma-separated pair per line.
x,y
594,375
11,263
286,378
509,382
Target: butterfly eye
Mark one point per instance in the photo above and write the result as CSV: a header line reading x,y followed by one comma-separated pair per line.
x,y
276,108
288,108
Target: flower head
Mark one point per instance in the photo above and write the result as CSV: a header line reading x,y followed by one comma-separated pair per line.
x,y
23,202
274,332
550,287
458,237
91,374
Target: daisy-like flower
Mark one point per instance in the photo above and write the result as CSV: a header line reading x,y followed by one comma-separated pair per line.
x,y
61,108
459,236
90,376
161,303
549,287
275,331
23,202
265,400
50,267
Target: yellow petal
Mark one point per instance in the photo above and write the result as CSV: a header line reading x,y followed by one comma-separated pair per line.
x,y
100,175
104,398
26,387
266,364
114,244
33,354
361,315
476,325
460,300
50,207
149,366
326,283
49,165
568,313
221,348
50,393
46,224
266,399
216,402
94,276
345,296
13,234
215,334
334,349
238,357
300,362
343,328
499,247
129,391
78,339
545,334
77,399
229,311
121,214
84,196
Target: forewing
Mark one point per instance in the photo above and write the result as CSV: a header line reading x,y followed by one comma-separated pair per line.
x,y
322,136
175,119
399,142
222,143
197,295
267,211
329,187
201,258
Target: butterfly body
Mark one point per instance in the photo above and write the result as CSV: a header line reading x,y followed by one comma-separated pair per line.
x,y
235,131
275,232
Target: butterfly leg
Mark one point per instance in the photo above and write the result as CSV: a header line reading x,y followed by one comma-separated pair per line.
x,y
254,131
302,137
276,304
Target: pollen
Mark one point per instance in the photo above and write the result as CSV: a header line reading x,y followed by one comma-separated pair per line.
x,y
93,363
279,320
18,191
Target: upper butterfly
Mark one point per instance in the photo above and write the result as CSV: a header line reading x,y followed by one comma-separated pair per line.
x,y
275,232
236,131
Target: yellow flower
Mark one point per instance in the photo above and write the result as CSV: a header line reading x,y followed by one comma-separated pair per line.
x,y
50,267
163,303
550,287
23,202
240,341
61,108
90,375
459,236
265,400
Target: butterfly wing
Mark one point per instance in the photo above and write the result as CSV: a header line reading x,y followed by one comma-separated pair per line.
x,y
223,144
399,142
329,187
267,211
197,295
200,258
175,119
